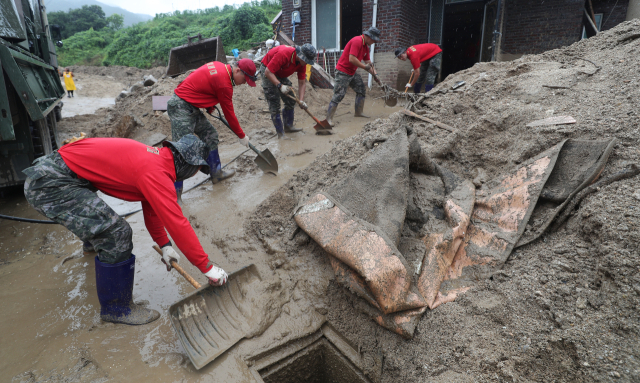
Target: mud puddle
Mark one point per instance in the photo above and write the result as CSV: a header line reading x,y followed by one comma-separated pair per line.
x,y
50,309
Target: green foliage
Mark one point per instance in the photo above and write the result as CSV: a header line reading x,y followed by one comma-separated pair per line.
x,y
148,44
79,19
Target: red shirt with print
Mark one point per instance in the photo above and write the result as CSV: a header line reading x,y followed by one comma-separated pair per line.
x,y
357,47
208,86
132,171
282,61
422,52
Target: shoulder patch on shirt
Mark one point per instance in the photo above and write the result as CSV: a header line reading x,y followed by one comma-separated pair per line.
x,y
153,150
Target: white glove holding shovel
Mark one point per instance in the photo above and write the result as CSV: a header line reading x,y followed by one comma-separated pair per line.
x,y
169,254
217,276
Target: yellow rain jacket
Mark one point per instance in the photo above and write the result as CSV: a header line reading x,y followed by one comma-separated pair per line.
x,y
68,81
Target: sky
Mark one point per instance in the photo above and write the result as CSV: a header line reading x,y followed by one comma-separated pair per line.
x,y
151,7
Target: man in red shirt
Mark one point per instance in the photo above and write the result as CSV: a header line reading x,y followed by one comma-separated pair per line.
x,y
61,186
278,64
355,52
426,60
206,87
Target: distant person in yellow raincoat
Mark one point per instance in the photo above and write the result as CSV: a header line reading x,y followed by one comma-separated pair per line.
x,y
68,82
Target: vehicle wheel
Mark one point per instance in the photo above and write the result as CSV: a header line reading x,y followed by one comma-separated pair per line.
x,y
58,111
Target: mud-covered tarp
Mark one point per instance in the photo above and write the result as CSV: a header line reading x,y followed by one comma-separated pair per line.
x,y
360,223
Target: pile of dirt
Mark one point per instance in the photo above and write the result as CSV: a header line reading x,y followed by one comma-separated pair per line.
x,y
563,308
124,74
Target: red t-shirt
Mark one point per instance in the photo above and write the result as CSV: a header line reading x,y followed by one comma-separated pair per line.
x,y
209,86
356,47
282,62
422,52
133,171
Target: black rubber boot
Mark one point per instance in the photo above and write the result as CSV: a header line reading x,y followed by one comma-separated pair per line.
x,y
287,119
360,107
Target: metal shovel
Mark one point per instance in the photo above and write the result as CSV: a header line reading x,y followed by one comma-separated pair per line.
x,y
322,127
265,160
389,100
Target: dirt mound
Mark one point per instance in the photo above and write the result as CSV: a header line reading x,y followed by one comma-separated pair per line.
x,y
564,308
123,74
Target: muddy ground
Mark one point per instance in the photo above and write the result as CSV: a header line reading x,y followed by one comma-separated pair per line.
x,y
563,308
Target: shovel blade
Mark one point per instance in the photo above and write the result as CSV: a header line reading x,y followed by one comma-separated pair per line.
x,y
323,128
391,101
267,162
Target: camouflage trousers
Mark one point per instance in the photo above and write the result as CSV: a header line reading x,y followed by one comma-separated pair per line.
x,y
187,119
343,81
429,69
57,193
273,95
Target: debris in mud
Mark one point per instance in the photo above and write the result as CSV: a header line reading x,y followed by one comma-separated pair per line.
x,y
542,309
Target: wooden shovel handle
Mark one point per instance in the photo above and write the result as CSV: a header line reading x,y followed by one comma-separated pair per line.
x,y
179,269
410,78
294,97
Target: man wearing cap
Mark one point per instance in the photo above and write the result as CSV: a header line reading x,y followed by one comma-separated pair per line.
x,y
62,187
426,60
355,52
277,65
206,87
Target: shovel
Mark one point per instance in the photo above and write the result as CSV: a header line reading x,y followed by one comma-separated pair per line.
x,y
321,127
265,160
390,100
211,319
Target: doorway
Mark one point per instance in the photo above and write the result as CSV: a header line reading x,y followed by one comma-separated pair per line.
x,y
462,36
350,20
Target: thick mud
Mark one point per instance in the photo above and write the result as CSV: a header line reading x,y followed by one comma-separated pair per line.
x,y
51,312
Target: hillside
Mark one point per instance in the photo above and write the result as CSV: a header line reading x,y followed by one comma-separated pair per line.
x,y
130,18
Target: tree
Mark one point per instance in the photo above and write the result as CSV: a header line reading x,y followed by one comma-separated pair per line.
x,y
115,22
79,19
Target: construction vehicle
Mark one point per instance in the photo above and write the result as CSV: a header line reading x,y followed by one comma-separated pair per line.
x,y
30,88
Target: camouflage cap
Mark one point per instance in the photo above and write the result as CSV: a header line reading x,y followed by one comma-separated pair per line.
x,y
192,150
400,51
306,53
374,33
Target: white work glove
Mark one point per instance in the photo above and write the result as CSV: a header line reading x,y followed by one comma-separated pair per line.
x,y
244,141
217,276
168,254
368,67
408,85
284,89
303,105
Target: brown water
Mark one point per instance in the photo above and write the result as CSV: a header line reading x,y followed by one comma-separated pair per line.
x,y
50,316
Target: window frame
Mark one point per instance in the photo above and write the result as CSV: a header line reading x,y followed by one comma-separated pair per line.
x,y
314,41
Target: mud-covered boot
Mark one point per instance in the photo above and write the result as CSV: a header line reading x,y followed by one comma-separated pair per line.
x,y
331,111
417,86
427,88
114,283
277,122
360,107
179,186
287,118
215,168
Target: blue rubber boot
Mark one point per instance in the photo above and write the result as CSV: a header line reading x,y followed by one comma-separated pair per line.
x,y
427,88
287,118
277,122
417,86
360,107
114,283
215,168
179,186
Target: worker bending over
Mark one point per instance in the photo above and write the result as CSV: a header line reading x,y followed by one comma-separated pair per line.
x,y
278,64
206,87
355,53
426,60
62,187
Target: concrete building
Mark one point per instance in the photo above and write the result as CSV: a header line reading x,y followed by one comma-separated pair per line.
x,y
465,30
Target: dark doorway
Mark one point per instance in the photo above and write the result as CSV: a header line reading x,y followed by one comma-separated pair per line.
x,y
462,36
350,20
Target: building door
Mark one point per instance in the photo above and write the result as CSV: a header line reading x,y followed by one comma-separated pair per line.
x,y
351,20
461,36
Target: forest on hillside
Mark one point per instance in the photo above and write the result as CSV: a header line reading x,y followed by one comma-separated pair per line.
x,y
96,40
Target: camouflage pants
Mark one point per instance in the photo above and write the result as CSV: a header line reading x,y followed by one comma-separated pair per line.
x,y
187,119
429,69
57,193
343,81
273,95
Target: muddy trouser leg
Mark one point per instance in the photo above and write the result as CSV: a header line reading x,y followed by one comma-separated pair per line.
x,y
271,94
57,193
357,85
341,83
187,119
429,70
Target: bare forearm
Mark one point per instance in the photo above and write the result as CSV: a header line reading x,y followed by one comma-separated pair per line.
x,y
272,77
302,86
416,74
355,62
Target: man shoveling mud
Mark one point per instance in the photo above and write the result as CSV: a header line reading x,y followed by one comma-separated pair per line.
x,y
206,87
355,53
426,60
62,187
278,64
